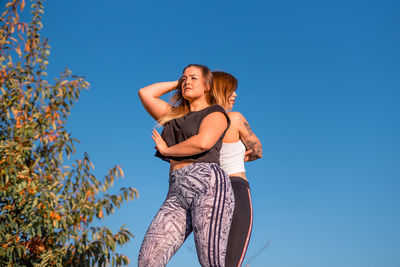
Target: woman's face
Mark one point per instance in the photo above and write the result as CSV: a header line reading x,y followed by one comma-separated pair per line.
x,y
231,99
192,83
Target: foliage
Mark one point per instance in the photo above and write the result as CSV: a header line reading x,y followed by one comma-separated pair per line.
x,y
47,209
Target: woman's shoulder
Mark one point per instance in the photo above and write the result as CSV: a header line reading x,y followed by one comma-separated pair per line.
x,y
235,116
211,109
214,108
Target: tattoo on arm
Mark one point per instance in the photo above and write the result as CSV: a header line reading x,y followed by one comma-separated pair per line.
x,y
252,142
256,149
248,128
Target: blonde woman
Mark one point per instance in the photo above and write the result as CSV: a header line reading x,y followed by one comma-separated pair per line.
x,y
240,144
200,197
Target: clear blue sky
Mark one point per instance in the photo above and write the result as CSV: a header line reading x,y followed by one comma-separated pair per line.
x,y
318,82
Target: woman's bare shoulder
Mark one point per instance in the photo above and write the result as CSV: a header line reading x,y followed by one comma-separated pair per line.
x,y
236,117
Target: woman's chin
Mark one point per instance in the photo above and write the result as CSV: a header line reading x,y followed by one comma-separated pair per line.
x,y
187,97
190,97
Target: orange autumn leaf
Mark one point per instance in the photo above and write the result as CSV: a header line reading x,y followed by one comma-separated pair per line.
x,y
19,124
15,112
55,216
3,75
121,171
52,138
63,82
18,50
27,47
32,190
89,193
56,116
22,176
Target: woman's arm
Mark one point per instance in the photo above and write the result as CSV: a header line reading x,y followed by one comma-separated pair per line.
x,y
211,129
150,97
250,140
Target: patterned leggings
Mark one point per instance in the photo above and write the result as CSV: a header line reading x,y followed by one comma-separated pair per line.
x,y
200,199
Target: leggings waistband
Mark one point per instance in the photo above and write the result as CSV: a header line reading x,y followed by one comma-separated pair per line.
x,y
238,179
191,166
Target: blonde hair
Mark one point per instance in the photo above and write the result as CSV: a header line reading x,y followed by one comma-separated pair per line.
x,y
224,84
180,106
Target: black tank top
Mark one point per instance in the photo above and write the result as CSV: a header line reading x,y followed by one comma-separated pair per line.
x,y
180,129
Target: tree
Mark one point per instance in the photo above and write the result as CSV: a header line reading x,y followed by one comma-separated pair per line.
x,y
47,210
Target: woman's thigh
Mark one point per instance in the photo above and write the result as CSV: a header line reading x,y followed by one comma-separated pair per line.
x,y
212,214
241,226
166,233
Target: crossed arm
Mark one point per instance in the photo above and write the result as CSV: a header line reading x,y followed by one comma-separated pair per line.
x,y
211,129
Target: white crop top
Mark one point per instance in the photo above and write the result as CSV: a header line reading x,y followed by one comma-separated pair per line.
x,y
231,157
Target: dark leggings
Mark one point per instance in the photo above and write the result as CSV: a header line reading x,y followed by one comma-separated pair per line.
x,y
242,223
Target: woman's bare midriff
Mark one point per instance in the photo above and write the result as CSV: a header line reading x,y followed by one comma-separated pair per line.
x,y
175,165
239,174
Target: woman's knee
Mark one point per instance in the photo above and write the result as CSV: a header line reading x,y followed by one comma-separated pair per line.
x,y
150,261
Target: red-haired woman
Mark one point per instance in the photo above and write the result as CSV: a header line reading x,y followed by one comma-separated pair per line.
x,y
240,144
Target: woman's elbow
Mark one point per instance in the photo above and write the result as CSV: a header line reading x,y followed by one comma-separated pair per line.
x,y
204,145
141,93
259,153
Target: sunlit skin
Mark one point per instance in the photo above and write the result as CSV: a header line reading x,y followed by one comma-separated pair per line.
x,y
240,129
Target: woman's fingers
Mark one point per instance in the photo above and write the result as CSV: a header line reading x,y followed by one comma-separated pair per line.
x,y
156,134
160,143
246,154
